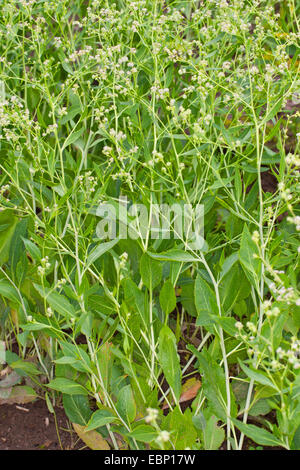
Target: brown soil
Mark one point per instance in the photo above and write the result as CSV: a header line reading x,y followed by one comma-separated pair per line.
x,y
268,182
35,428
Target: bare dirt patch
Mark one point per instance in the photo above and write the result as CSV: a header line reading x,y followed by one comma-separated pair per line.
x,y
35,429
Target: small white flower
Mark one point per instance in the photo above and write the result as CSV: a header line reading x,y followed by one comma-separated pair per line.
x,y
255,237
152,415
163,436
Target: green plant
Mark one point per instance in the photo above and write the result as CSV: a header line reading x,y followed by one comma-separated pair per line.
x,y
170,102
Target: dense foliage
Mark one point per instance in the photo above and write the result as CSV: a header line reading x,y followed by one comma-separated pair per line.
x,y
149,342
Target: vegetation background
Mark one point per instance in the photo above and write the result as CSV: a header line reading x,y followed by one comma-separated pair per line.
x,y
147,343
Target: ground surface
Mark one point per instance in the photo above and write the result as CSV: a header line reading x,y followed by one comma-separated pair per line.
x,y
35,429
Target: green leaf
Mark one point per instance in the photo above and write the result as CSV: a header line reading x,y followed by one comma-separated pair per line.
x,y
72,138
85,323
32,249
66,360
261,407
77,408
205,302
233,288
214,385
296,440
67,386
100,418
8,219
169,359
213,435
258,435
143,433
174,255
151,271
99,251
26,367
83,361
226,323
273,111
57,302
248,251
8,291
126,405
167,297
74,110
16,252
134,297
257,376
187,298
183,430
105,361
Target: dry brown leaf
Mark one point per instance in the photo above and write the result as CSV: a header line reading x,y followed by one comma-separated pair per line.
x,y
189,391
92,439
5,371
11,379
19,395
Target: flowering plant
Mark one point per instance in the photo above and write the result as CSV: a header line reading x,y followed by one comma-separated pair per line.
x,y
151,342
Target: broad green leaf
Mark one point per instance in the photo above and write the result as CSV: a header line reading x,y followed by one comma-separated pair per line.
x,y
105,361
74,110
167,297
100,418
226,323
126,405
213,435
72,138
228,263
134,298
32,249
187,298
25,367
233,288
214,385
77,408
257,376
66,360
248,254
83,361
258,435
183,430
67,386
169,359
261,407
151,271
205,301
296,440
97,252
143,433
57,302
85,323
8,219
8,291
16,252
174,255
